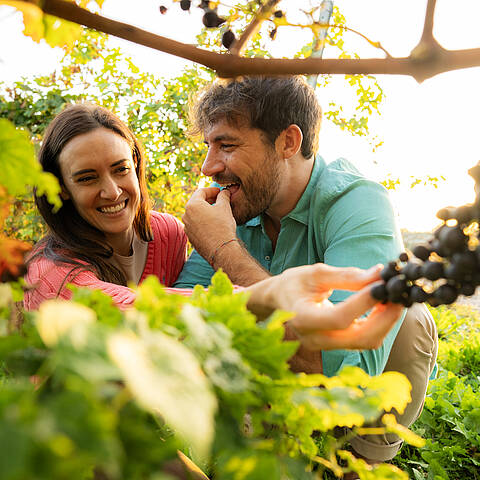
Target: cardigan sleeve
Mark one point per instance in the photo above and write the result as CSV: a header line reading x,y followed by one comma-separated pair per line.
x,y
47,280
168,249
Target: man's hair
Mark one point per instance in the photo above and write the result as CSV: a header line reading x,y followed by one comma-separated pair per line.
x,y
71,239
268,103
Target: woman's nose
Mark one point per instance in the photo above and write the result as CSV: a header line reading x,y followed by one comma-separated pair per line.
x,y
110,189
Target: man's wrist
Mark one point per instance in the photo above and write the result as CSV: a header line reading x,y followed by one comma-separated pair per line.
x,y
235,260
212,258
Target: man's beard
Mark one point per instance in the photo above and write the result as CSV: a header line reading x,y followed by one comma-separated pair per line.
x,y
259,189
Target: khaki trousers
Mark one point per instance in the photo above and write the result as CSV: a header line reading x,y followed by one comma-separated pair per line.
x,y
414,354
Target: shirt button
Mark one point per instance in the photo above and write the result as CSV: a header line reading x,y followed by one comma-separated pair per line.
x,y
267,258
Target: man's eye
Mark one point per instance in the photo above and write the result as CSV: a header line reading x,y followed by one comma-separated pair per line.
x,y
226,146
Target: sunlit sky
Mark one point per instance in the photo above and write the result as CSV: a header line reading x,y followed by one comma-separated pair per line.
x,y
431,128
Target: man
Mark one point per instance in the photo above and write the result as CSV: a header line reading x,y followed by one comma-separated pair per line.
x,y
283,207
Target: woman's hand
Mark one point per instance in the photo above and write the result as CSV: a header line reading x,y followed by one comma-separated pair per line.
x,y
319,324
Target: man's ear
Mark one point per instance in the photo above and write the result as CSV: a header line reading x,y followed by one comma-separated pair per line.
x,y
290,141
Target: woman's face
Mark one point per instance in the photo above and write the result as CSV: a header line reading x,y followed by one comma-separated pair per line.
x,y
99,177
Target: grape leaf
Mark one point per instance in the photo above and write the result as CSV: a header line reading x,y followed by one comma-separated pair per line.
x,y
19,167
166,379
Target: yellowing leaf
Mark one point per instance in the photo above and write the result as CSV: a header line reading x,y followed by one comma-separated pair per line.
x,y
56,318
403,432
32,18
38,25
166,379
19,167
394,390
5,294
60,33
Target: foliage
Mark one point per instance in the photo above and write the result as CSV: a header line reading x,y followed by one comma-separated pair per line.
x,y
19,170
155,110
87,388
450,421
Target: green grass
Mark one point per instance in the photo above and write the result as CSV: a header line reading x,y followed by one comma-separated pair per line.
x,y
450,421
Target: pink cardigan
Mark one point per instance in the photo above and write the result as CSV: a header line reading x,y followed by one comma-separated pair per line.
x,y
165,258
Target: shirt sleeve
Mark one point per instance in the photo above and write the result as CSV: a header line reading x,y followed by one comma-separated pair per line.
x,y
196,271
360,230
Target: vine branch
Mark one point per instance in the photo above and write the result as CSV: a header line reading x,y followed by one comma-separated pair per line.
x,y
425,61
263,13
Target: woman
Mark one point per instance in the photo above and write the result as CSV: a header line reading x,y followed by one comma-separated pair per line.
x,y
105,235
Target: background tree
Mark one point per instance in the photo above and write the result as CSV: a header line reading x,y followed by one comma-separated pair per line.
x,y
155,108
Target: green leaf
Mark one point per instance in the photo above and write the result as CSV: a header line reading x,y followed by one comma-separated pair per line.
x,y
20,168
166,379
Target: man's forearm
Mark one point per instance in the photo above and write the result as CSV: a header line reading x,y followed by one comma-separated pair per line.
x,y
238,264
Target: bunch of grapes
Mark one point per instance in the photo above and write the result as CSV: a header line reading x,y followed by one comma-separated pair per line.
x,y
444,268
211,19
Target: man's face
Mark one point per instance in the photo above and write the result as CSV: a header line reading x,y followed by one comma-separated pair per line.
x,y
240,158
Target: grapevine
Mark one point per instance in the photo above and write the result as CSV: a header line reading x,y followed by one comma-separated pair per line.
x,y
447,266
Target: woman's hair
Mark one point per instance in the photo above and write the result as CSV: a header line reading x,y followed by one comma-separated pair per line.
x,y
71,239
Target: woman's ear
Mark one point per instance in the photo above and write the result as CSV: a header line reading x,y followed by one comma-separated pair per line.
x,y
64,195
290,141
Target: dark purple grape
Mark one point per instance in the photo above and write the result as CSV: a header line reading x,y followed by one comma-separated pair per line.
x,y
413,271
467,289
434,302
446,213
389,271
465,261
379,292
211,20
185,4
403,257
418,294
228,38
163,9
406,301
436,247
475,278
454,272
452,239
422,252
273,33
446,294
278,14
205,4
432,270
464,214
396,285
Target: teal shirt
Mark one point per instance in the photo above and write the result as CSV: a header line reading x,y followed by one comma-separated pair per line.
x,y
342,219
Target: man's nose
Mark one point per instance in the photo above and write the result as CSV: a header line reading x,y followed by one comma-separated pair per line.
x,y
110,189
212,164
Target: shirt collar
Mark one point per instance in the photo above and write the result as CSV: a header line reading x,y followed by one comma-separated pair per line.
x,y
301,210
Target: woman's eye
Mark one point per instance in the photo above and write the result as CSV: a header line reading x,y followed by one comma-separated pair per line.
x,y
85,179
123,169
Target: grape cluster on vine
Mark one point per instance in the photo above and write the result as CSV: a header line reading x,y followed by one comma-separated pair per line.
x,y
211,19
442,269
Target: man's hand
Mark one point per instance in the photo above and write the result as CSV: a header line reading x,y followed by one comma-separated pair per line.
x,y
208,220
318,324
210,227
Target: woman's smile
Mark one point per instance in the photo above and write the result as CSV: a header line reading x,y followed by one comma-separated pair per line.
x,y
99,177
